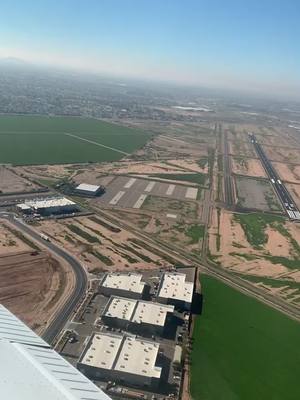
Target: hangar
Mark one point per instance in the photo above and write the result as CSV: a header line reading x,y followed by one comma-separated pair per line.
x,y
48,206
86,189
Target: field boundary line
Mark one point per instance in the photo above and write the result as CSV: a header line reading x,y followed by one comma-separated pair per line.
x,y
96,143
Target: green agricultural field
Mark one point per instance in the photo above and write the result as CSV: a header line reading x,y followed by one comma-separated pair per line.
x,y
49,140
243,350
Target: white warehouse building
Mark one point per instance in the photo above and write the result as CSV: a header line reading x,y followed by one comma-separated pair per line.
x,y
124,359
48,206
140,317
174,289
89,190
123,284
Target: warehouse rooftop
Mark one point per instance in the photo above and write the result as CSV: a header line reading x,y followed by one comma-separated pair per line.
x,y
138,356
151,313
137,311
102,350
173,286
126,354
131,282
119,307
46,203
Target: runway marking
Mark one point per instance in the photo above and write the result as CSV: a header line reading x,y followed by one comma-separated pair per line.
x,y
170,190
116,198
140,201
150,186
96,143
129,183
191,193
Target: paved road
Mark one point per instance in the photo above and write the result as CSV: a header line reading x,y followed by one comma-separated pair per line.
x,y
282,192
57,324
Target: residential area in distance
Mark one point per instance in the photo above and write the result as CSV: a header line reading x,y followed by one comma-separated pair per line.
x,y
151,234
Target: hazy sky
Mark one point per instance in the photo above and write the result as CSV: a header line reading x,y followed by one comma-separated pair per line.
x,y
243,44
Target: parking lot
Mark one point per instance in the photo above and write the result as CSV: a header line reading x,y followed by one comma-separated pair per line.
x,y
129,192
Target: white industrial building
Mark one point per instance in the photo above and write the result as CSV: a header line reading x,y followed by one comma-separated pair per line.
x,y
31,370
89,190
140,317
123,359
174,289
48,206
122,284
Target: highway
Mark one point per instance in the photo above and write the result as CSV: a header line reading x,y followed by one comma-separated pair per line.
x,y
65,312
282,192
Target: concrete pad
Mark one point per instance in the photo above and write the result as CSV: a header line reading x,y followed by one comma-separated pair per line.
x,y
174,216
191,193
150,186
140,201
129,183
116,198
170,190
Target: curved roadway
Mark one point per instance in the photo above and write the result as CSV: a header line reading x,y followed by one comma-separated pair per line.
x,y
64,313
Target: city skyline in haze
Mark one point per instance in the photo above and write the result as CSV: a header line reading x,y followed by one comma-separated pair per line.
x,y
230,45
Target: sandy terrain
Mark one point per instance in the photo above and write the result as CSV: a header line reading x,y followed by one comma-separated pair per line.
x,y
102,249
190,165
12,183
248,167
289,173
31,285
9,243
48,171
163,146
281,154
233,240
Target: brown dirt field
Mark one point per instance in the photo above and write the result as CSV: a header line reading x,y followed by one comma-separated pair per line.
x,y
241,149
12,183
9,243
47,171
248,167
232,233
281,154
173,148
116,247
190,165
290,173
31,285
295,193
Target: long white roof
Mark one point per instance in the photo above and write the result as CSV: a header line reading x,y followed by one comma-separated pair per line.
x,y
46,203
174,286
31,370
88,188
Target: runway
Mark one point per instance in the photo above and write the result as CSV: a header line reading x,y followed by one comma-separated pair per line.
x,y
282,192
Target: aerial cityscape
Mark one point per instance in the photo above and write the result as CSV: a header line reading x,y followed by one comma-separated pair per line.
x,y
149,225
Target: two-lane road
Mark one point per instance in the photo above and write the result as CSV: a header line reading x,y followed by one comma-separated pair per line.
x,y
65,312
